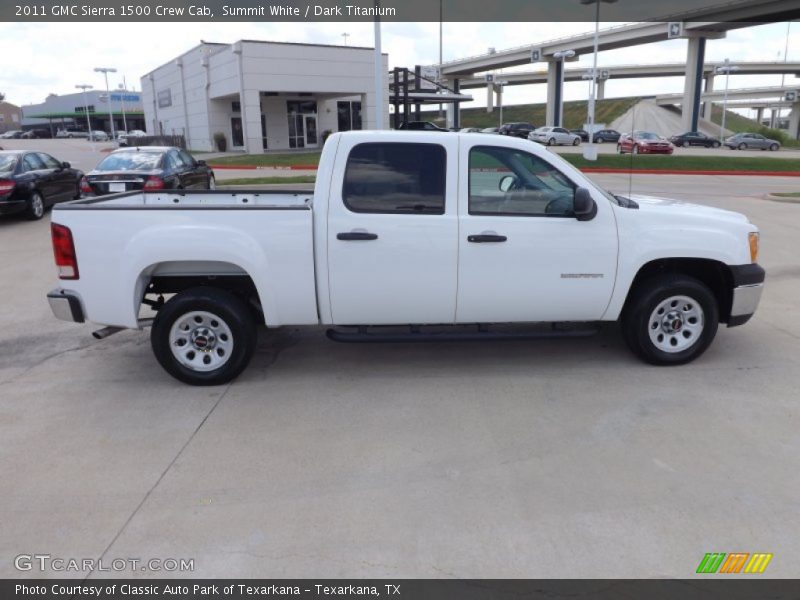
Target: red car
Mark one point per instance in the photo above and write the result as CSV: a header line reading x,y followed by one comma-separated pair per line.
x,y
644,142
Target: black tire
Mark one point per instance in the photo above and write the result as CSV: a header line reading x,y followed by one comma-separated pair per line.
x,y
36,206
742,146
599,140
576,141
642,305
227,311
212,182
551,142
715,145
774,147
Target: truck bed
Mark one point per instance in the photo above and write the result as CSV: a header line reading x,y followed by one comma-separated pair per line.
x,y
274,199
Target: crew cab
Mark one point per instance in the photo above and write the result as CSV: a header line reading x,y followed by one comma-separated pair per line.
x,y
445,236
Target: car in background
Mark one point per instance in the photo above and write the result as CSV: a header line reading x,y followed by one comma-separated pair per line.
x,y
490,130
695,138
520,130
746,141
420,126
554,136
35,134
123,136
470,130
147,168
584,135
644,142
11,135
98,136
606,135
71,133
32,181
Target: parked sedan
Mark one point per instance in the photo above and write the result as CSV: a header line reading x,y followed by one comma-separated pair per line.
x,y
554,136
584,135
148,168
695,138
606,135
71,133
98,136
644,142
745,141
32,181
520,130
36,134
11,135
490,130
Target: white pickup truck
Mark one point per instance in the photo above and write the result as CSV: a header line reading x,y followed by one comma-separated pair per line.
x,y
446,234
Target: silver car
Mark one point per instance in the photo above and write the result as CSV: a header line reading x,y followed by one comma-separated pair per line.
x,y
553,136
746,141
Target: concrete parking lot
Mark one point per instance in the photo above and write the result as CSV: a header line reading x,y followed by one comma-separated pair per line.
x,y
546,459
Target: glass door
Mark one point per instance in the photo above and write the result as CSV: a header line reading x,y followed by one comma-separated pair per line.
x,y
311,131
296,131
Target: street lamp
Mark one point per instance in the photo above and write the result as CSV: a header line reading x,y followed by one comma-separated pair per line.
x,y
105,71
500,85
122,100
590,151
726,68
85,87
561,56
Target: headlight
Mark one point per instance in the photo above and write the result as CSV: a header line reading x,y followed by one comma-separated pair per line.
x,y
753,239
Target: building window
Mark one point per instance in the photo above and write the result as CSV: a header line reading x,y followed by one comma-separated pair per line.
x,y
82,109
164,98
236,106
349,114
301,107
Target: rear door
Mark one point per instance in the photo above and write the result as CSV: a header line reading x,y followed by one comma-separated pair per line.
x,y
393,230
523,256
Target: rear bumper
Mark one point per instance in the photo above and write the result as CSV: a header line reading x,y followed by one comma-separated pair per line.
x,y
748,281
66,305
9,207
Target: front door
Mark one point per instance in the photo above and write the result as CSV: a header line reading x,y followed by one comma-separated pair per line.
x,y
393,231
311,131
523,256
237,133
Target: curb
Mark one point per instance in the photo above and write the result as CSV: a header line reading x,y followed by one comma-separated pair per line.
x,y
785,199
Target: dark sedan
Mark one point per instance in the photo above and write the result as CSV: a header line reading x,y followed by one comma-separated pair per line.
x,y
584,135
520,130
606,135
32,181
147,168
695,138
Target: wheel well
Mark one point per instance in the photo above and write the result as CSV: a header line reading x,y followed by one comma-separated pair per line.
x,y
240,284
716,275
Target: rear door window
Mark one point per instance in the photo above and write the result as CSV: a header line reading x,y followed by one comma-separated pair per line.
x,y
395,178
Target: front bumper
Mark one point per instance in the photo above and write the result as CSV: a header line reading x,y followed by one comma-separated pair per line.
x,y
748,282
66,305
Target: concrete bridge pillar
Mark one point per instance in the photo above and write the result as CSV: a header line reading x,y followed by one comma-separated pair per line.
x,y
690,107
794,121
601,89
708,104
759,115
555,70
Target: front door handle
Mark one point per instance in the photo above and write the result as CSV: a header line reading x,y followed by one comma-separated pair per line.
x,y
356,235
486,237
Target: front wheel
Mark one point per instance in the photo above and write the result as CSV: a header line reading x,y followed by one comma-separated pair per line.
x,y
551,142
635,149
670,320
742,146
576,141
204,336
212,183
773,147
715,145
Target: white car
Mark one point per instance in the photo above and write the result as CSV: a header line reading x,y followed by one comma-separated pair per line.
x,y
98,136
122,136
405,230
71,133
554,136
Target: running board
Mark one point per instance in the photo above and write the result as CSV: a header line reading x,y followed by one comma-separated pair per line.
x,y
362,335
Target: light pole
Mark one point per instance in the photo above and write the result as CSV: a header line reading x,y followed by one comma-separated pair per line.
x,y
85,87
561,56
726,68
500,85
378,70
345,35
105,71
590,150
122,99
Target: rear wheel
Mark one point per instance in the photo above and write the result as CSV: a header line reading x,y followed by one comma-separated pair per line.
x,y
35,209
576,141
619,149
551,142
715,145
773,147
204,336
670,320
742,146
635,149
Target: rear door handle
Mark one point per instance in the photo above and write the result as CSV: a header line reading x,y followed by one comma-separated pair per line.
x,y
356,235
486,237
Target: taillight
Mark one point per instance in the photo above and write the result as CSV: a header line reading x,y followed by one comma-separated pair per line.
x,y
6,185
64,251
85,187
154,183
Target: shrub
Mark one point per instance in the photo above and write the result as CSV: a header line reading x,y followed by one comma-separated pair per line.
x,y
220,141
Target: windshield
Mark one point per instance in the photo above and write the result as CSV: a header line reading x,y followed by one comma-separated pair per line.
x,y
129,161
646,135
8,162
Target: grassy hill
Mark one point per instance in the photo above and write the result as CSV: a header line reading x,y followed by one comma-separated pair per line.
x,y
574,113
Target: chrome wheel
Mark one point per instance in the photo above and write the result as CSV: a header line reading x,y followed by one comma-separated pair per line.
x,y
676,324
37,206
201,341
212,183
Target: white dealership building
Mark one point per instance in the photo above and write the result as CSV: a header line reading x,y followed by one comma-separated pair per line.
x,y
263,95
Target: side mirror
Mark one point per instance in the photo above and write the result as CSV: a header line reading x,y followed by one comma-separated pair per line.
x,y
202,163
506,183
583,205
65,165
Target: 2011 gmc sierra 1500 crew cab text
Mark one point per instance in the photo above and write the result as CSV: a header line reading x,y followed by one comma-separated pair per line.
x,y
404,229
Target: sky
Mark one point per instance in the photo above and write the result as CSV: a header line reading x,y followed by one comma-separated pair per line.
x,y
44,58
